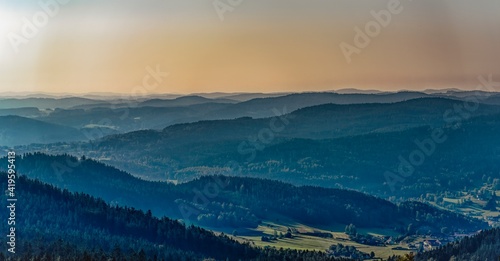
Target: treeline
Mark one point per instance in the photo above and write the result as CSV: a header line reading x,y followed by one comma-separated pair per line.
x,y
481,247
54,224
323,206
220,201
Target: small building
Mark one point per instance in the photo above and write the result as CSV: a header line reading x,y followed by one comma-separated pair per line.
x,y
431,244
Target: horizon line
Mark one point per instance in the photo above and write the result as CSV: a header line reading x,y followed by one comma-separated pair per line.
x,y
346,90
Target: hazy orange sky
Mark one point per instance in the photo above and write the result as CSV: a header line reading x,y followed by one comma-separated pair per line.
x,y
260,46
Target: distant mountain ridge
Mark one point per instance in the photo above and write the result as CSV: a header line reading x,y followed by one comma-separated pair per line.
x,y
121,115
325,121
29,112
44,103
328,145
15,130
183,101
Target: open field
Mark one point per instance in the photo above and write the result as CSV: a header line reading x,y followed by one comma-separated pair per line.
x,y
308,242
474,208
280,225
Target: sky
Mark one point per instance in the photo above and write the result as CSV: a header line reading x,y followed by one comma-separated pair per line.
x,y
81,46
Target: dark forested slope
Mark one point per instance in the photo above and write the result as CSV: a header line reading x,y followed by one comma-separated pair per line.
x,y
237,201
51,224
481,247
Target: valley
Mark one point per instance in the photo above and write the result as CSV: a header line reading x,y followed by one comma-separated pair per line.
x,y
316,181
249,130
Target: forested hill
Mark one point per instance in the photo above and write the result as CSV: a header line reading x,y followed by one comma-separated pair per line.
x,y
324,121
481,247
16,130
220,201
282,148
51,224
